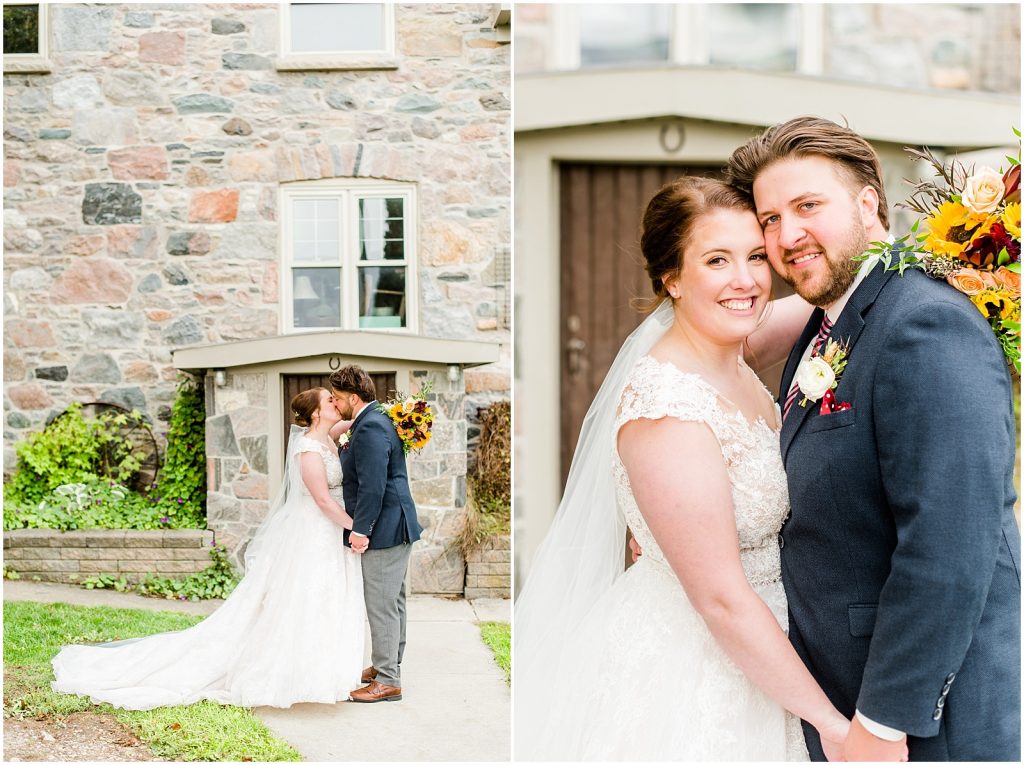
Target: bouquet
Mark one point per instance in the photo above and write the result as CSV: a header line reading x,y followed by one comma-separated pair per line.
x,y
412,416
971,239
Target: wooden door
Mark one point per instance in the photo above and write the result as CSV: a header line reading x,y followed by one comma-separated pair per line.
x,y
601,208
291,385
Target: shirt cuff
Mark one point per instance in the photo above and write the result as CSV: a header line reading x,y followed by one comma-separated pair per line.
x,y
879,730
357,534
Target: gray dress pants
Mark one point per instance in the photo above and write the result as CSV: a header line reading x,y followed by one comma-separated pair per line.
x,y
384,573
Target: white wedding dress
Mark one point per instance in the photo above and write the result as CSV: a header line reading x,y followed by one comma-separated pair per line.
x,y
645,679
292,630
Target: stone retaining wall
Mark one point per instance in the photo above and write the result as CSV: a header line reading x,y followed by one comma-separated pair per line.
x,y
71,556
489,569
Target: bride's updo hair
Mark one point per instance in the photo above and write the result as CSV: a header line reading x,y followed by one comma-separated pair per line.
x,y
304,405
669,221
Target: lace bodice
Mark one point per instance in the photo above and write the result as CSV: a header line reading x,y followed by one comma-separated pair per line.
x,y
751,451
331,462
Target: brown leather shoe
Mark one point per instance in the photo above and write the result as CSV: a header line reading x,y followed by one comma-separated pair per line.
x,y
375,692
368,675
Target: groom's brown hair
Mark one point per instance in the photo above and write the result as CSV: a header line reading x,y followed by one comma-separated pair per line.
x,y
353,379
809,136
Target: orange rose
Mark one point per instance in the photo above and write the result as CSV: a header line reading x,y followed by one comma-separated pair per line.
x,y
1008,280
968,281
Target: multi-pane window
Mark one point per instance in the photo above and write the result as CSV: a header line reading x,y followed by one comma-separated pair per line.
x,y
26,44
754,35
21,29
621,34
781,37
329,27
337,36
349,255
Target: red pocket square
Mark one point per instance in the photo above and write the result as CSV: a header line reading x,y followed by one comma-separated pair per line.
x,y
829,404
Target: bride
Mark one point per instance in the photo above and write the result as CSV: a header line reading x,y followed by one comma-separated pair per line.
x,y
683,656
292,631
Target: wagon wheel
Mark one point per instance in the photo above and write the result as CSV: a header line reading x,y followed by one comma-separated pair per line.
x,y
136,432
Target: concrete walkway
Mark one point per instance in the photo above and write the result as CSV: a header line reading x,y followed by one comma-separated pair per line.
x,y
456,705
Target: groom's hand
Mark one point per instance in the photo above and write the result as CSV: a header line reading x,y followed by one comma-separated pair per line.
x,y
358,542
863,746
634,548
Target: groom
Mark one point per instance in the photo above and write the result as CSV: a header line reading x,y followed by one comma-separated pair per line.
x,y
384,526
901,556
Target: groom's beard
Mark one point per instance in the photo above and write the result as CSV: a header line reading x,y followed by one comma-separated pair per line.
x,y
840,270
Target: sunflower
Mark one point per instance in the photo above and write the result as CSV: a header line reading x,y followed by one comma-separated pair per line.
x,y
996,304
952,228
417,418
395,411
1011,219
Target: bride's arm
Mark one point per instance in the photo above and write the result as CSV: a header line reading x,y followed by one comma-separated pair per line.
x,y
770,343
341,426
681,486
314,475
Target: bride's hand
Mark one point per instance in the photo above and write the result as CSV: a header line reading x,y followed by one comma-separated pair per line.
x,y
833,737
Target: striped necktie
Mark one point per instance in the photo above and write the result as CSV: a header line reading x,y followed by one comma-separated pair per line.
x,y
819,343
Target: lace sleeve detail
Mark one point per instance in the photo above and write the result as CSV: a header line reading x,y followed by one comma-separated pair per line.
x,y
656,390
309,445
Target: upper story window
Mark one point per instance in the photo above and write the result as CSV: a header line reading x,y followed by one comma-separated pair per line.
x,y
349,256
782,37
337,36
754,35
624,34
26,38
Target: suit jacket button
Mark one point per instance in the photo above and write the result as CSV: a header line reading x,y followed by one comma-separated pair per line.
x,y
950,677
937,715
782,542
945,689
941,702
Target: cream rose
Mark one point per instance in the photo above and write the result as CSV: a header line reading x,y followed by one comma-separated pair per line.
x,y
814,377
983,191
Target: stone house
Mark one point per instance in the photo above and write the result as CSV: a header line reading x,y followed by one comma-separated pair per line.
x,y
612,101
253,192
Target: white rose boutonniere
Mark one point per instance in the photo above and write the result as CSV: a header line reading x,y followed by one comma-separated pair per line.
x,y
820,373
814,377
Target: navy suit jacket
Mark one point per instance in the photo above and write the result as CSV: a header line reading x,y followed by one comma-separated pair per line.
x,y
376,482
901,556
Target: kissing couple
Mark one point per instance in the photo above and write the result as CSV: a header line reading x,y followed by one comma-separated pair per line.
x,y
332,554
831,576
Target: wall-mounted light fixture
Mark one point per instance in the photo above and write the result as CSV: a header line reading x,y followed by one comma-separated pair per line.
x,y
454,370
220,378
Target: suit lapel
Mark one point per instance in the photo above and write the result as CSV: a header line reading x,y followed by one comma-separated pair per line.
x,y
847,328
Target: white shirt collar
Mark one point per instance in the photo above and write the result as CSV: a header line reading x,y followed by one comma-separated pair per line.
x,y
363,410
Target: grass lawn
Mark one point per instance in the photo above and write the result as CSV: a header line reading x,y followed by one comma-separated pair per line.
x,y
34,632
498,637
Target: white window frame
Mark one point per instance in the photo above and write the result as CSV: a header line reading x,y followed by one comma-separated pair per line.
x,y
688,41
288,60
348,192
32,63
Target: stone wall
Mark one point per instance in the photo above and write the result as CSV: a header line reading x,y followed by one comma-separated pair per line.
x,y
958,45
141,180
489,569
71,556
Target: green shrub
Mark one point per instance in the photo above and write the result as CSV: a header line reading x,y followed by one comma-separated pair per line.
x,y
215,581
72,449
91,503
72,475
182,482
